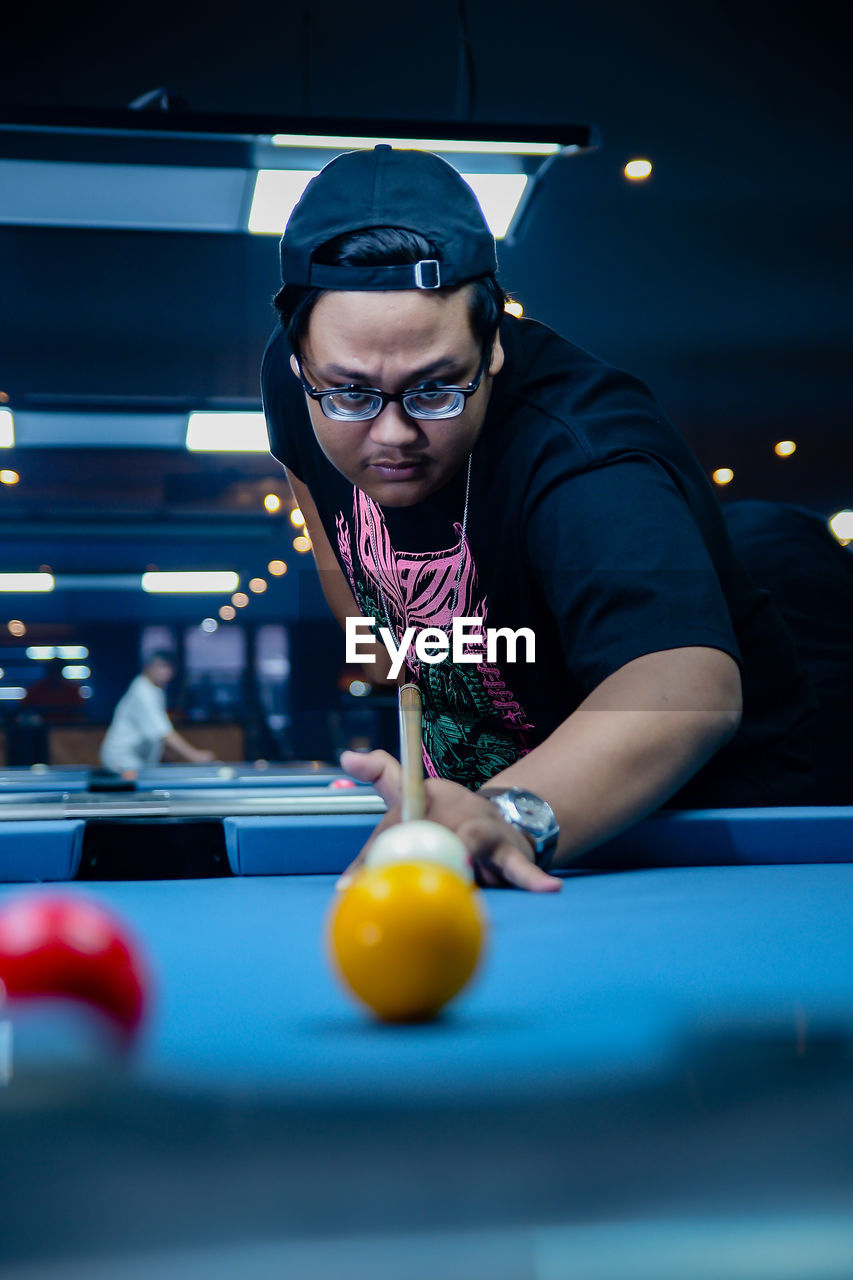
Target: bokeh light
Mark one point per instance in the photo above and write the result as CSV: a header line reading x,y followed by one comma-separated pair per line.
x,y
513,308
16,627
784,448
227,612
638,170
277,568
841,526
240,599
258,585
296,518
9,477
723,475
301,544
272,502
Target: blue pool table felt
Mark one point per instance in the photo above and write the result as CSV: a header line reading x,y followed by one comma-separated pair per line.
x,y
609,981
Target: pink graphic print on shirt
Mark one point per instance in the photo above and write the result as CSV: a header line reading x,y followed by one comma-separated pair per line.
x,y
474,726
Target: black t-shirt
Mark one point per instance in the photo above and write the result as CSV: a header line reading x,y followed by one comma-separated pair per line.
x,y
592,524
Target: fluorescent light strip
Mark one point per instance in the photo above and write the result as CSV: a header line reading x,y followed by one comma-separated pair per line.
x,y
7,429
227,433
15,582
498,195
133,196
12,693
451,146
277,191
276,194
213,581
185,583
67,652
100,429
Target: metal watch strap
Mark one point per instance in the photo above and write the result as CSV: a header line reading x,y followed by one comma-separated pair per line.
x,y
506,801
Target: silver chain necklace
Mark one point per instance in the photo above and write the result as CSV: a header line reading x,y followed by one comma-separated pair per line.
x,y
463,542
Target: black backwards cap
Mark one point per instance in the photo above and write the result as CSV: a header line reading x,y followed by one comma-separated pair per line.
x,y
414,190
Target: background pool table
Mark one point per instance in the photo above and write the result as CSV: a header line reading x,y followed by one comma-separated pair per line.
x,y
75,779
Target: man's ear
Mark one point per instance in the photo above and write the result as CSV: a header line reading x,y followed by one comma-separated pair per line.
x,y
497,361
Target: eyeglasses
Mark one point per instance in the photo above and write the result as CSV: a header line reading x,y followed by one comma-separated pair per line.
x,y
432,401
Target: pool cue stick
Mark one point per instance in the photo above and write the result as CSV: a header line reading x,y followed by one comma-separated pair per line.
x,y
411,752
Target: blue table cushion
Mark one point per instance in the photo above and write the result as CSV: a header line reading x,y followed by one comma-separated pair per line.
x,y
297,845
730,837
33,851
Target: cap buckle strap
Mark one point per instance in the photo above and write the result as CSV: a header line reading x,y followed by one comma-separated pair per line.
x,y
429,278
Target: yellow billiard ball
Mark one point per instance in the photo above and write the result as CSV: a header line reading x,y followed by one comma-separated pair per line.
x,y
405,938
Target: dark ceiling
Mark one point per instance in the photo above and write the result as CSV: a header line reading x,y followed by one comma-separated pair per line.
x,y
723,281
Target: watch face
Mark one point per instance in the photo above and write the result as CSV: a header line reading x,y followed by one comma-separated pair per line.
x,y
533,814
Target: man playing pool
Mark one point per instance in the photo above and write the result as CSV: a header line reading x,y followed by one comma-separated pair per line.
x,y
454,462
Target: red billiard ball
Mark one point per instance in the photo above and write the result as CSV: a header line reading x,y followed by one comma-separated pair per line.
x,y
60,946
342,784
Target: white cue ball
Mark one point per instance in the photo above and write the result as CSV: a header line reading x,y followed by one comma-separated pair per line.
x,y
226,772
420,841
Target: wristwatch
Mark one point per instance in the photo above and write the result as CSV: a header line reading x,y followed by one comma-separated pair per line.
x,y
529,814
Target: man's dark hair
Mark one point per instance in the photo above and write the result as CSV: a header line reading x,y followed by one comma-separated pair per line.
x,y
160,655
383,246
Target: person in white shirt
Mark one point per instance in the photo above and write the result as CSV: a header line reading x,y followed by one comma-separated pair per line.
x,y
140,726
